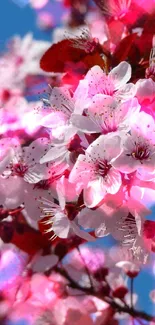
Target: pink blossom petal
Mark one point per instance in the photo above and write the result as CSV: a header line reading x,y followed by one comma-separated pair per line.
x,y
145,90
36,174
89,218
121,74
113,181
81,233
61,225
61,100
84,124
81,171
127,91
126,164
53,154
44,263
36,150
53,120
94,193
11,192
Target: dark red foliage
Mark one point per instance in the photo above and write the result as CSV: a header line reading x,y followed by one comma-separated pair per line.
x,y
56,57
6,231
59,57
28,239
124,49
136,49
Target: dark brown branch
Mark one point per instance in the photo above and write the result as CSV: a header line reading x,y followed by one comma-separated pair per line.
x,y
90,291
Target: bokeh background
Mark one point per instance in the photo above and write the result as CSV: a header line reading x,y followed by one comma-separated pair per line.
x,y
18,18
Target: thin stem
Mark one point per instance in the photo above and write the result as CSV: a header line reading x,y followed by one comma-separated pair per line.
x,y
86,268
131,291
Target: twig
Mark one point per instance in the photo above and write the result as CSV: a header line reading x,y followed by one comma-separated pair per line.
x,y
90,291
131,292
86,268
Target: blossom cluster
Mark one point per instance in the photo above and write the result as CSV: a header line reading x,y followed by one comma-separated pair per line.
x,y
82,160
33,292
77,163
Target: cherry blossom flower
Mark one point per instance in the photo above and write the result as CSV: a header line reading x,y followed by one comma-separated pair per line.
x,y
138,147
65,150
105,115
25,162
115,84
118,285
95,172
131,269
61,216
120,215
61,106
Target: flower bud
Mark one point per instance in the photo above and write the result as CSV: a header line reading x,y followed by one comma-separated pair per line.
x,y
120,292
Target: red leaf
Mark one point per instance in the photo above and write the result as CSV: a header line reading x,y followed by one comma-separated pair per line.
x,y
56,57
64,56
30,241
122,50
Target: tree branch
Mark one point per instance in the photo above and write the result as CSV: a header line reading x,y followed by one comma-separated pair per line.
x,y
118,308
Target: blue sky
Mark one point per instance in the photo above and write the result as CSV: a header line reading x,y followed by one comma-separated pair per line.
x,y
15,19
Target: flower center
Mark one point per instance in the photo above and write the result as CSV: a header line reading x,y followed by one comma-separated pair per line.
x,y
70,210
103,168
141,152
19,169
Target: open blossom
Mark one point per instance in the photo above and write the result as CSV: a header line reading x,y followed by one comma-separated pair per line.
x,y
61,105
114,84
94,171
105,115
61,216
138,147
120,215
24,162
65,151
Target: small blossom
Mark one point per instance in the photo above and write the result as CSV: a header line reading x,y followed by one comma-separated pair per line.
x,y
115,84
95,172
138,147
